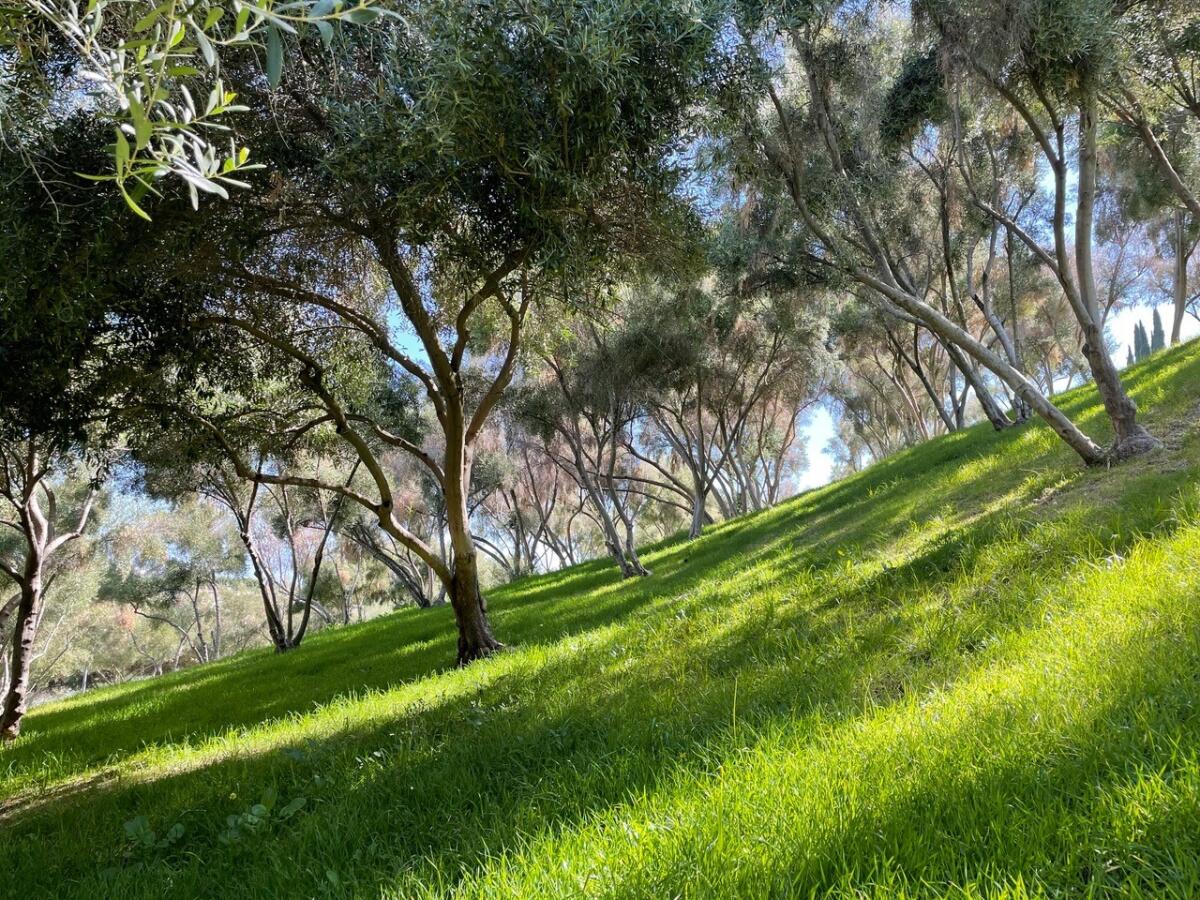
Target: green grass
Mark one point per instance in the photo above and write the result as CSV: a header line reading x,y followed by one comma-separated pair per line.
x,y
971,670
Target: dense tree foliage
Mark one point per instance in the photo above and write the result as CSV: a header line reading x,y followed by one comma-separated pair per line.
x,y
508,285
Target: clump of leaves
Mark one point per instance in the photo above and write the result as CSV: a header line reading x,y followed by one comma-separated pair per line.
x,y
147,64
259,815
142,838
916,98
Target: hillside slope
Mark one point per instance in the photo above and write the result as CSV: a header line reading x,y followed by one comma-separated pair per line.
x,y
972,669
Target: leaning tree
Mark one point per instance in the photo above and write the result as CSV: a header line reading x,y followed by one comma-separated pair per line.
x,y
816,136
1049,65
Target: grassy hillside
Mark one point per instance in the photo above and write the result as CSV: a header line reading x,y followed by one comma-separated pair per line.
x,y
972,669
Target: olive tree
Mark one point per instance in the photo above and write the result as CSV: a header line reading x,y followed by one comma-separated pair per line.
x,y
446,171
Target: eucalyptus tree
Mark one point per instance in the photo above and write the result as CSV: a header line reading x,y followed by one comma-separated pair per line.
x,y
1183,238
1152,88
286,531
715,361
1049,63
546,485
886,377
756,251
175,573
1143,197
449,165
583,403
291,540
514,516
416,578
555,501
816,137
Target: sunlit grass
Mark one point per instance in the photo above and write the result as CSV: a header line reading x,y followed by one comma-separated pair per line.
x,y
969,670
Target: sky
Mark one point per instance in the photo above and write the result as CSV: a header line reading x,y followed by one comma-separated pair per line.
x,y
818,430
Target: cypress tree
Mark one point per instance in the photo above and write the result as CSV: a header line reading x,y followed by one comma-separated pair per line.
x,y
1141,345
1128,355
1158,337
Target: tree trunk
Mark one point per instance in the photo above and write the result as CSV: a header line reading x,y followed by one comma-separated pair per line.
x,y
991,409
697,515
475,639
1179,283
631,550
1023,411
612,540
962,342
217,634
1130,438
274,625
17,699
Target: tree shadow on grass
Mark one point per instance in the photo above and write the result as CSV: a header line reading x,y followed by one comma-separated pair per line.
x,y
1040,811
259,687
565,741
610,714
614,712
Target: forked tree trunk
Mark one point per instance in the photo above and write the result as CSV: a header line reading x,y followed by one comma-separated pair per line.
x,y
612,540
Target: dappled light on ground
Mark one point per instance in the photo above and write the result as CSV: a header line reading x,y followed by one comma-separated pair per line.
x,y
970,667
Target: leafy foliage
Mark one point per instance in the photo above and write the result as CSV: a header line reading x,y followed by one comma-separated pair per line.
x,y
144,64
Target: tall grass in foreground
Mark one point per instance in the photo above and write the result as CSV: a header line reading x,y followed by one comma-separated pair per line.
x,y
972,670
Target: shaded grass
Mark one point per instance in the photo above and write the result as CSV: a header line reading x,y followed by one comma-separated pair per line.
x,y
970,670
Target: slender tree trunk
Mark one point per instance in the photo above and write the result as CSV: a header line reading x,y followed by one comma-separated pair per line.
x,y
1130,438
955,337
1179,284
274,625
970,374
698,504
631,553
914,364
202,651
17,699
475,638
609,529
217,633
1023,411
